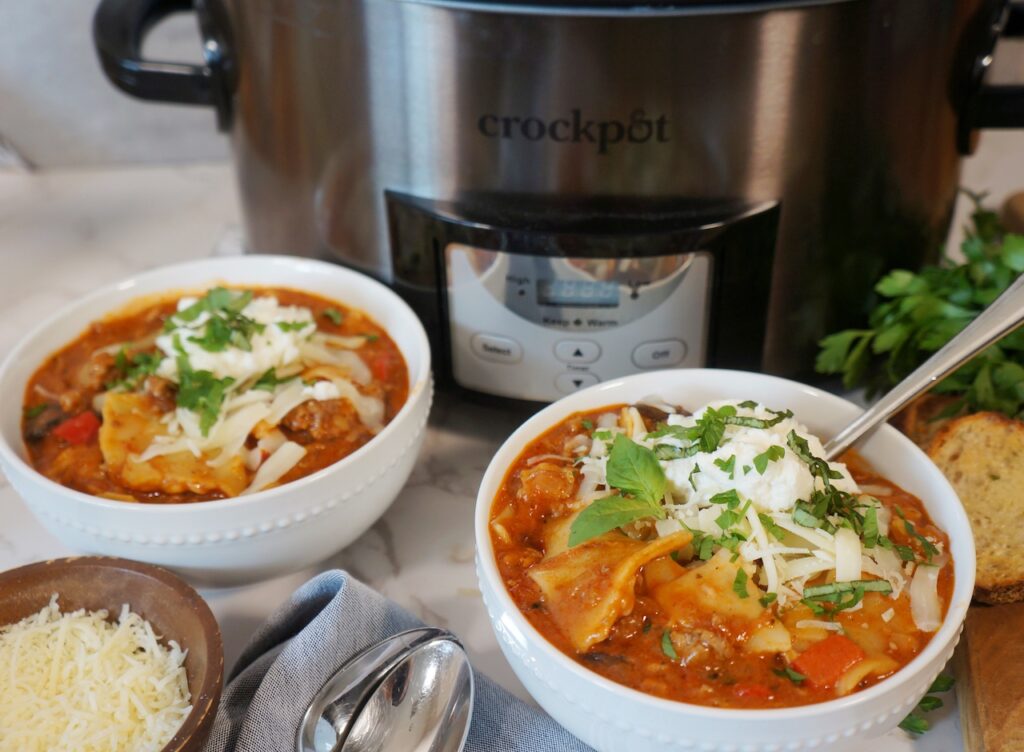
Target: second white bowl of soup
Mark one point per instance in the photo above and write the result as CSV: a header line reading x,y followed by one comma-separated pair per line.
x,y
231,419
661,581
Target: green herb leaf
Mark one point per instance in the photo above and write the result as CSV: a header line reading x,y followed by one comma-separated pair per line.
x,y
587,425
870,533
694,471
926,545
929,703
769,525
334,315
942,683
666,646
201,392
730,498
610,513
269,380
915,723
36,410
768,599
739,584
727,466
771,454
634,469
788,673
293,326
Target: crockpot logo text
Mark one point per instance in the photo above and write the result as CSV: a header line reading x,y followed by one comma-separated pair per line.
x,y
576,129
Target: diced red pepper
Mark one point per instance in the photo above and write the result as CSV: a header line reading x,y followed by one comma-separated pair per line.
x,y
824,662
80,429
751,690
381,365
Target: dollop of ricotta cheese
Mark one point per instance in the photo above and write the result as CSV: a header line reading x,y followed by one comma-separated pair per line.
x,y
732,465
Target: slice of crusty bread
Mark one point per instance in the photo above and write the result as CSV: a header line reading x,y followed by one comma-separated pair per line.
x,y
989,689
982,455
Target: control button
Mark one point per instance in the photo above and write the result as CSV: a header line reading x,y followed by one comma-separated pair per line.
x,y
570,382
496,349
577,351
660,354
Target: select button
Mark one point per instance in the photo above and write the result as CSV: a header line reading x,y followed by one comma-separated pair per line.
x,y
496,349
659,354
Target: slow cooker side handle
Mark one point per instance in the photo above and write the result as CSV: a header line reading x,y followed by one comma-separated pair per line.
x,y
987,105
119,28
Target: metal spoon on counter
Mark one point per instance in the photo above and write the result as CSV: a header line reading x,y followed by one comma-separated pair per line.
x,y
413,691
1000,318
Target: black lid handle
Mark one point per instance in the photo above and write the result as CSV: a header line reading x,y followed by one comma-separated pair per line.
x,y
119,28
987,105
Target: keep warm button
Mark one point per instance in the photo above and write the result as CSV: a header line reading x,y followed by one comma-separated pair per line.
x,y
660,354
496,349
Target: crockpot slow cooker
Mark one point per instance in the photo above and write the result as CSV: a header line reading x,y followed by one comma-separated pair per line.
x,y
571,191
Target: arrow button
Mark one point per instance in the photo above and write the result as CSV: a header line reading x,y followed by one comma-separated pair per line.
x,y
570,382
577,351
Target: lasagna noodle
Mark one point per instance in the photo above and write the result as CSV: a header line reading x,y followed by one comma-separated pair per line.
x,y
587,588
130,423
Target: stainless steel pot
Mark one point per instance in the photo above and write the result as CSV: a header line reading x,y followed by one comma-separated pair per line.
x,y
851,115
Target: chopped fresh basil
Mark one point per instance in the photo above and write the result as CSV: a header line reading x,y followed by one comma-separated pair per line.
x,y
739,584
768,599
769,524
666,452
870,533
603,435
334,315
771,454
788,673
36,410
926,545
587,425
371,337
610,513
824,592
293,326
666,646
694,471
819,467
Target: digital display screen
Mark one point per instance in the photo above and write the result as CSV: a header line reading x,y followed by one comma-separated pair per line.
x,y
577,293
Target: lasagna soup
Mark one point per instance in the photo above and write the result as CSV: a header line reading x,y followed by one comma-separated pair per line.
x,y
717,558
228,392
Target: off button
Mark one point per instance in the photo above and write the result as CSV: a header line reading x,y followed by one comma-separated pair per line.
x,y
496,349
660,354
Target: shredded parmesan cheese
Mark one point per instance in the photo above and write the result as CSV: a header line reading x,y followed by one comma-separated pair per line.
x,y
81,683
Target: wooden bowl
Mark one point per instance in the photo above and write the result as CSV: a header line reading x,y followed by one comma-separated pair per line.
x,y
175,610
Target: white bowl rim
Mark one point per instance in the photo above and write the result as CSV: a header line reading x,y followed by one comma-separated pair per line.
x,y
419,383
541,421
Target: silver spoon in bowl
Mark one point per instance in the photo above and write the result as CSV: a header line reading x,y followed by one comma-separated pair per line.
x,y
1000,318
412,691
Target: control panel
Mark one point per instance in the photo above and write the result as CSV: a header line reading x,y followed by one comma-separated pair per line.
x,y
539,327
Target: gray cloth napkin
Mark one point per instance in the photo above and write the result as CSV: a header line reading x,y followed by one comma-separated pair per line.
x,y
327,620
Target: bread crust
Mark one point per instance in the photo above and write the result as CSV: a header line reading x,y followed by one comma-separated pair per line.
x,y
982,455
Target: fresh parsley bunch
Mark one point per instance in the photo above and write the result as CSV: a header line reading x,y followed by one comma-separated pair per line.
x,y
921,312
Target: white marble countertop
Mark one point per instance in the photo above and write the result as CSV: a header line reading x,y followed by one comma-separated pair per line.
x,y
63,234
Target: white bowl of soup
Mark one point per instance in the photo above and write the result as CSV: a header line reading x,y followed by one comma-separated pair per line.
x,y
231,418
669,563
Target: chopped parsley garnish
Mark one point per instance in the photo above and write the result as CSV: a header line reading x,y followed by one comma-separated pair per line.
x,y
602,435
634,471
587,425
915,722
730,517
666,646
334,315
293,326
768,599
201,392
739,584
727,466
771,454
269,380
225,324
730,498
788,673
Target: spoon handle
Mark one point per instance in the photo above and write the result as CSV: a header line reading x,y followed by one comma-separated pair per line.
x,y
1000,318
